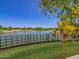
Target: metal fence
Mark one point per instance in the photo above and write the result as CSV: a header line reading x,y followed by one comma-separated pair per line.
x,y
17,40
69,38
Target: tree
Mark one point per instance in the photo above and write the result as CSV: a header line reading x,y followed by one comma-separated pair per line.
x,y
65,10
65,7
10,27
29,28
1,26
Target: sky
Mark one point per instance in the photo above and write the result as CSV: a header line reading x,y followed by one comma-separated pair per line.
x,y
23,13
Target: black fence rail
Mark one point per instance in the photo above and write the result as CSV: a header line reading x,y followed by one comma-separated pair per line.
x,y
17,40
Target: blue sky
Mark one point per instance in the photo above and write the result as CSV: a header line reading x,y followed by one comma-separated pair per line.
x,y
23,13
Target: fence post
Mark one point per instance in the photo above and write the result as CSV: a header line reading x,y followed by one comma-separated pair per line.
x,y
21,39
39,38
0,42
25,39
33,38
6,40
52,35
36,38
11,41
17,39
28,38
42,37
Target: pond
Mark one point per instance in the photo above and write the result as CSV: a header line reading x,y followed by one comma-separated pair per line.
x,y
25,32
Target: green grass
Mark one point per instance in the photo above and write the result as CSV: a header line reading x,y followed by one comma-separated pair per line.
x,y
49,50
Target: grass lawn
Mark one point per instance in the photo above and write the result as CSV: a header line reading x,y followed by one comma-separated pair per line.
x,y
49,50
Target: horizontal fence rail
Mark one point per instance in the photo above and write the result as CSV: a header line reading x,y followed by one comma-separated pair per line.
x,y
17,40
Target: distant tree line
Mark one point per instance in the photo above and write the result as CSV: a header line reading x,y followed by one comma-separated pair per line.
x,y
23,28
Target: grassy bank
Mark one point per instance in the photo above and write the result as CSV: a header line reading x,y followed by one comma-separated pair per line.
x,y
50,50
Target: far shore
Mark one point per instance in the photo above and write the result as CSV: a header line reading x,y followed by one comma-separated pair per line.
x,y
5,31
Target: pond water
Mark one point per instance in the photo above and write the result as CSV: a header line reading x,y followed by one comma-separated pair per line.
x,y
25,32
